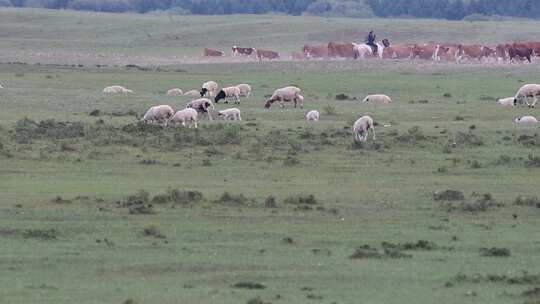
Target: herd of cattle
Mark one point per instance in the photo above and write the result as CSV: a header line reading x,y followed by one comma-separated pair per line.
x,y
200,104
507,52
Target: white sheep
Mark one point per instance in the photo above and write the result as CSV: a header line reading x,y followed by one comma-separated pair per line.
x,y
377,98
527,120
175,92
528,90
201,105
116,89
193,94
506,102
230,114
209,87
228,92
245,90
158,114
184,115
1,87
361,128
312,115
286,94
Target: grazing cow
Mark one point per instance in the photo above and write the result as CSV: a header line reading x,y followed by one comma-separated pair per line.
x,y
242,51
315,51
475,51
448,52
339,49
533,45
212,53
425,51
520,53
262,54
398,51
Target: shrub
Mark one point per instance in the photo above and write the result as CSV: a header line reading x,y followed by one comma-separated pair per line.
x,y
153,231
270,202
232,199
329,109
468,139
42,234
527,201
448,195
301,200
495,252
532,162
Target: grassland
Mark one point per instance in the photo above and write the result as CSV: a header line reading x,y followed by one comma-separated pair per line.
x,y
71,233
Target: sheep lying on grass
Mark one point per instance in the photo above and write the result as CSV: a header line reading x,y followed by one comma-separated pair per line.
x,y
312,116
116,89
506,102
527,120
183,116
377,98
230,114
175,92
193,94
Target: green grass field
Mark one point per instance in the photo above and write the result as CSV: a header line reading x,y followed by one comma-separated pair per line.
x,y
91,246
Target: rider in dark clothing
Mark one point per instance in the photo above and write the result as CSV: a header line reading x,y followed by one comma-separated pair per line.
x,y
370,40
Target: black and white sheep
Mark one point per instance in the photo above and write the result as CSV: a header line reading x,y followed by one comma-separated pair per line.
x,y
227,93
209,87
202,106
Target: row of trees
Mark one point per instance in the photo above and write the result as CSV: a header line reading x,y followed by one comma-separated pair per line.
x,y
447,9
455,9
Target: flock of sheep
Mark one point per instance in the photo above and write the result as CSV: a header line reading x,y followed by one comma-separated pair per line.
x,y
164,115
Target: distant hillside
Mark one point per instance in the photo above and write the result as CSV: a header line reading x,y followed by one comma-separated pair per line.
x,y
439,9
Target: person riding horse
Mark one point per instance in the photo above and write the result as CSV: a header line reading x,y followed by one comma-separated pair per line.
x,y
370,40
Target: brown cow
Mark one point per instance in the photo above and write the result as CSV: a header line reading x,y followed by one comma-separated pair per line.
x,y
315,51
212,53
261,54
242,51
398,51
448,52
425,51
340,49
474,51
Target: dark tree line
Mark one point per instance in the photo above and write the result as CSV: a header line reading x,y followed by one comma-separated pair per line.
x,y
455,9
445,9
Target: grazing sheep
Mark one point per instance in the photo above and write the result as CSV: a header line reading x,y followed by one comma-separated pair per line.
x,y
506,102
230,114
229,92
1,87
193,93
361,128
245,90
210,88
528,90
286,94
175,92
312,115
116,89
377,98
158,114
528,121
184,115
201,105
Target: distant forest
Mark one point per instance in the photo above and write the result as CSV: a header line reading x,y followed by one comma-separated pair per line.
x,y
441,9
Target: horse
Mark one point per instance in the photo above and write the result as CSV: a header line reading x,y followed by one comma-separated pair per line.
x,y
362,49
